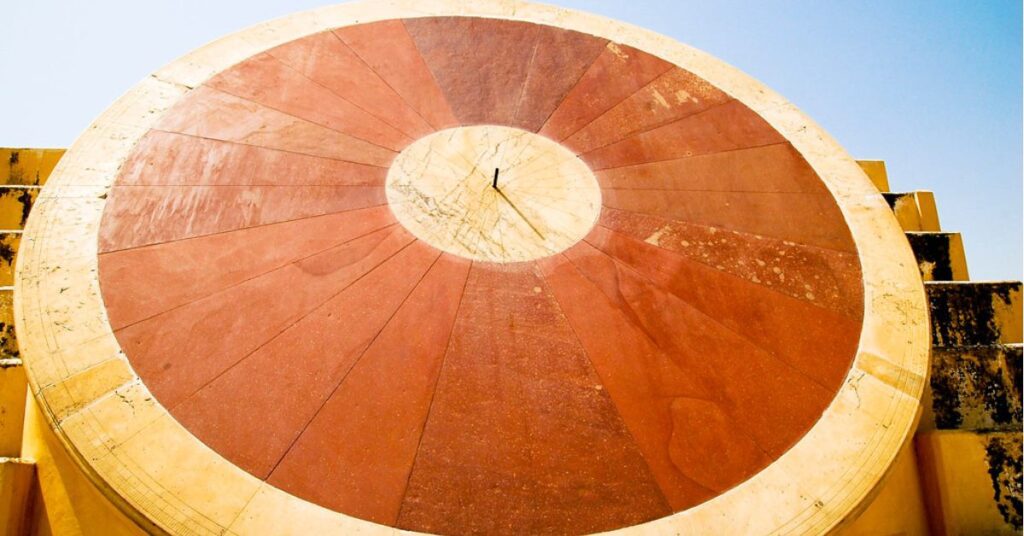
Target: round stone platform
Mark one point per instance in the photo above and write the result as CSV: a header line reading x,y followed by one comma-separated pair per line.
x,y
499,268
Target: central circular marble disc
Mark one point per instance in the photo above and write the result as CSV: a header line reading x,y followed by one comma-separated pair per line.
x,y
493,193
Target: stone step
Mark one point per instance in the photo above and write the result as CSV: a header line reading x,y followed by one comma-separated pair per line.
x,y
940,256
976,388
27,167
8,341
15,204
875,170
13,388
974,313
971,481
914,210
17,483
9,242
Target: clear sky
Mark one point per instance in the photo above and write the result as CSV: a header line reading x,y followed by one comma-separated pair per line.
x,y
933,88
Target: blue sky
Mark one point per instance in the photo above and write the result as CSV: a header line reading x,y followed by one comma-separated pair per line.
x,y
933,88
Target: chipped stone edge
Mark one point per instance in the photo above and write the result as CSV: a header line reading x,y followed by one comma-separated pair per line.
x,y
161,475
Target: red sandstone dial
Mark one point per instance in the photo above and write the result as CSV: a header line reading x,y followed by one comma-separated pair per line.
x,y
457,274
263,289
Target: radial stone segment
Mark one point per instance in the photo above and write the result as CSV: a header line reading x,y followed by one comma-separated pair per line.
x,y
499,269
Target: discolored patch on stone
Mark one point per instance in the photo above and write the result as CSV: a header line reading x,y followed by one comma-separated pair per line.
x,y
641,379
812,339
719,367
15,205
9,242
1003,453
811,220
974,388
825,277
8,340
27,167
1013,359
940,256
915,211
707,442
976,313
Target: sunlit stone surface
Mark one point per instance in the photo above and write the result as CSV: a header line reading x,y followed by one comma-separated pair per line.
x,y
493,193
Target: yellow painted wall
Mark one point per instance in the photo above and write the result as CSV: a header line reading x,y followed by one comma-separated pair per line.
x,y
899,507
959,489
16,479
12,406
875,170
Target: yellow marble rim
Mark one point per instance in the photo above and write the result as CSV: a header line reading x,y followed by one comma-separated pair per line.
x,y
493,193
168,481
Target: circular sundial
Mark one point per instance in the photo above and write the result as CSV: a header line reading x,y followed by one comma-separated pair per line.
x,y
487,268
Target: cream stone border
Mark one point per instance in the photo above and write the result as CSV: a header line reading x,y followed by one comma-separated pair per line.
x,y
168,481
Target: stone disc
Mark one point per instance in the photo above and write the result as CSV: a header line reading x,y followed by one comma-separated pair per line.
x,y
492,269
